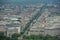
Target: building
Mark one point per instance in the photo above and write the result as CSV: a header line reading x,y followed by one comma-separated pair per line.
x,y
36,31
2,28
13,28
53,31
50,27
53,26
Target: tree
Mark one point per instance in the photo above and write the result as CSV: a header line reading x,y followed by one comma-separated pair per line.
x,y
3,37
48,37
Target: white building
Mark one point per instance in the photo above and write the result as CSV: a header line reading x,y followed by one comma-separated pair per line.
x,y
53,31
53,26
11,29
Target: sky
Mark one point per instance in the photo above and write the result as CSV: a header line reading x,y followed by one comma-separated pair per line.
x,y
28,1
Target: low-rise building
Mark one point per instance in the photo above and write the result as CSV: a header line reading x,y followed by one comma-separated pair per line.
x,y
50,27
13,28
53,31
36,31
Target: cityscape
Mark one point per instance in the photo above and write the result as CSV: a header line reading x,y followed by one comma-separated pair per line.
x,y
30,20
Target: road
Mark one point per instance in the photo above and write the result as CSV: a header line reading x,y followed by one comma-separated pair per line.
x,y
35,17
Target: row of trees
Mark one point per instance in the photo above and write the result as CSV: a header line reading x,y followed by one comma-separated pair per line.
x,y
28,37
3,37
40,37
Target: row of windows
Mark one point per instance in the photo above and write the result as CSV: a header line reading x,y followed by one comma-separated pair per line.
x,y
36,31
